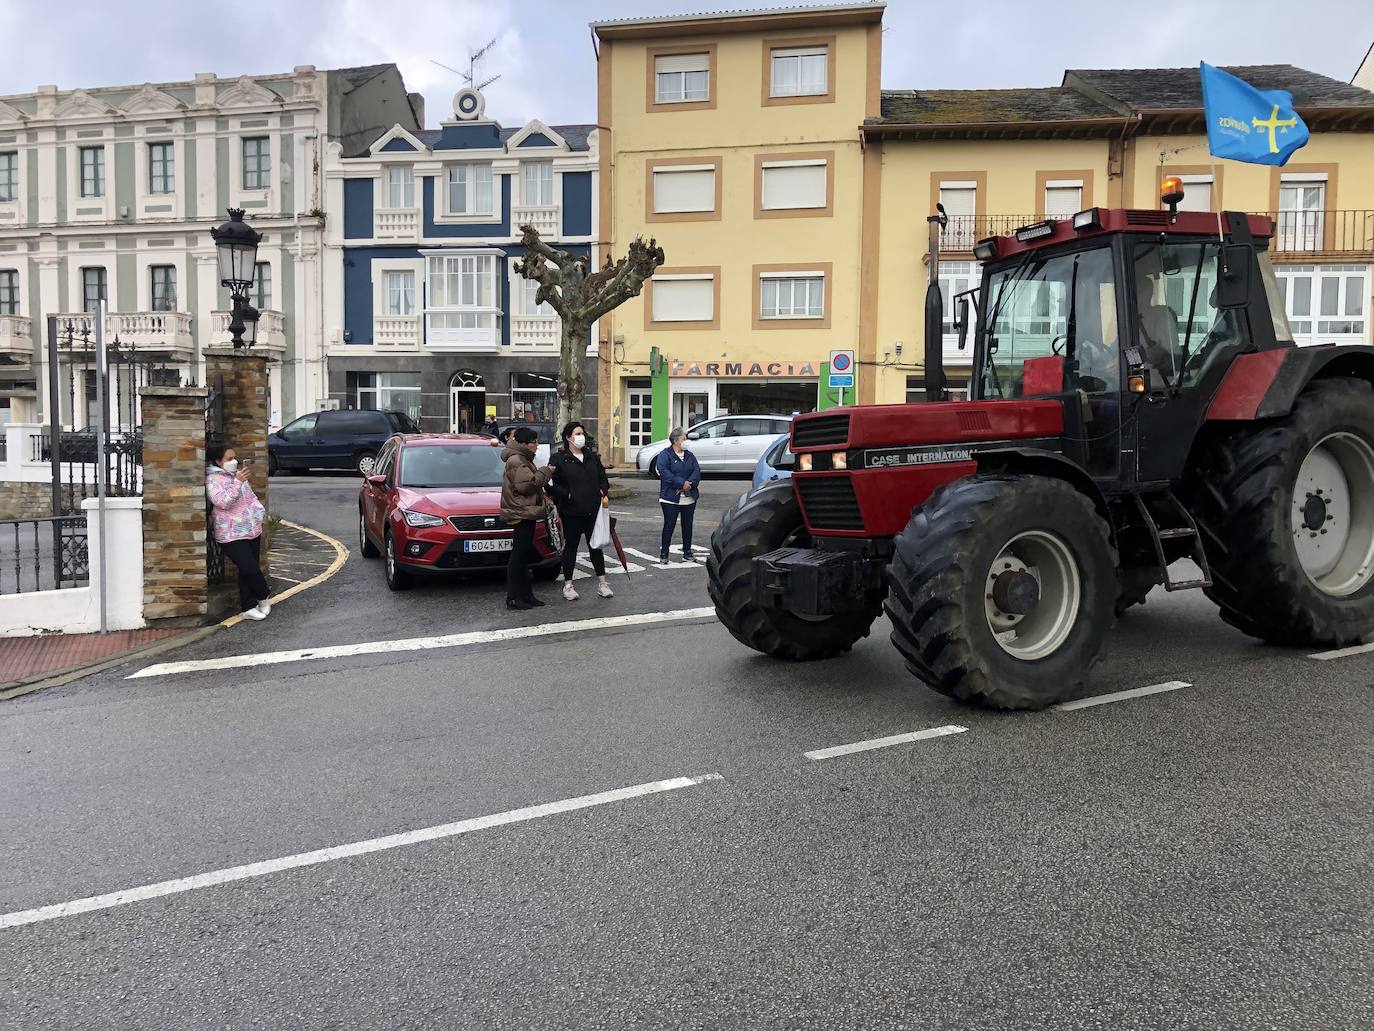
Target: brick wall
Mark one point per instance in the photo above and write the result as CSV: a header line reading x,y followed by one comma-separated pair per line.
x,y
174,586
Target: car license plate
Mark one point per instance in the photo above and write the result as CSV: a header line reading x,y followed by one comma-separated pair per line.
x,y
500,544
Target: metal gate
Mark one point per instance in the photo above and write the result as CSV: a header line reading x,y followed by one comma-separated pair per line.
x,y
214,434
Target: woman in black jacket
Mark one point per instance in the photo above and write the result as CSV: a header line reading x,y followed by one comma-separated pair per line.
x,y
580,489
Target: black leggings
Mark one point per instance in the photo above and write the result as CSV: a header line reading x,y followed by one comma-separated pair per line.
x,y
576,527
518,585
670,517
252,584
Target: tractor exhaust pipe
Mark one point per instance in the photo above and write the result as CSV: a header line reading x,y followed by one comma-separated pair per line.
x,y
935,312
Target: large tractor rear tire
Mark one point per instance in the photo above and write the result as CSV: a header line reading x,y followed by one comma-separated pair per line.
x,y
1286,513
1003,590
765,520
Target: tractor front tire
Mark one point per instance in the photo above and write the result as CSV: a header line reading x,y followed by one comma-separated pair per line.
x,y
1286,513
762,521
970,549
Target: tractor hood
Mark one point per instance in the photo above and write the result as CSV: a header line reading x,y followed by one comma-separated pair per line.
x,y
946,422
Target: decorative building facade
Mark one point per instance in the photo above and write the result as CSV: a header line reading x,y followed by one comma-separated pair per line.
x,y
425,312
111,192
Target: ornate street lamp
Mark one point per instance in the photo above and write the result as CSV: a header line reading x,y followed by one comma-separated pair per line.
x,y
236,244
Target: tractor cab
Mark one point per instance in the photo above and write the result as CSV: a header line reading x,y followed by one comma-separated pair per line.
x,y
1139,417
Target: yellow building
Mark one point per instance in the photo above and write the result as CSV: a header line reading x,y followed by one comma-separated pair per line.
x,y
999,159
734,139
791,194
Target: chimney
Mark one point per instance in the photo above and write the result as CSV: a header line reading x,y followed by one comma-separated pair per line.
x,y
47,101
417,107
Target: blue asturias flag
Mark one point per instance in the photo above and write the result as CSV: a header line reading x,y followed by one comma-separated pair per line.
x,y
1247,124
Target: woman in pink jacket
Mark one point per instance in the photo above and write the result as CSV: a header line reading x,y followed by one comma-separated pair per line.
x,y
237,520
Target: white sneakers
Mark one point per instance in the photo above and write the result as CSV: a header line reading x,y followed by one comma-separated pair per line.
x,y
259,611
602,591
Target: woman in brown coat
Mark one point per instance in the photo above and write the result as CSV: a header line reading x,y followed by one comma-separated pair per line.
x,y
522,505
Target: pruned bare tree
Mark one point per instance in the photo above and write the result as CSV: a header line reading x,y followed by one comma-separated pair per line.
x,y
579,298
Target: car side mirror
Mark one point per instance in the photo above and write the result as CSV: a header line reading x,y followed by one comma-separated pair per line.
x,y
693,435
961,320
1233,284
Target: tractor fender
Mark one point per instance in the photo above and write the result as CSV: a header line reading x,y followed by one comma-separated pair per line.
x,y
1039,462
1266,384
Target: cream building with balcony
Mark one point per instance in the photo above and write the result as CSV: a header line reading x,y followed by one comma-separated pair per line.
x,y
424,311
111,192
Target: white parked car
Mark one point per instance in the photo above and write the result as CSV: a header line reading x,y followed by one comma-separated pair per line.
x,y
727,444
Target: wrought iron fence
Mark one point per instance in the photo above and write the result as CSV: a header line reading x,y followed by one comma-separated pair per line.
x,y
44,554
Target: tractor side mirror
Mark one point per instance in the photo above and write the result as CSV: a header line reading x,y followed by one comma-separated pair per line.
x,y
1233,284
961,321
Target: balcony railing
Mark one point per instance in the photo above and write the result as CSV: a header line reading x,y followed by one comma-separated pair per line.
x,y
396,332
534,332
271,331
396,224
16,338
546,218
164,333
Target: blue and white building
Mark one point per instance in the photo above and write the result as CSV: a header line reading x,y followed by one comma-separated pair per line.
x,y
424,310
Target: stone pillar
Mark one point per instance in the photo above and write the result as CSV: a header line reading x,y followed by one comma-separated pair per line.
x,y
174,584
245,410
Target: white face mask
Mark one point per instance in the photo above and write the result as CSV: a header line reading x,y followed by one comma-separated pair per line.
x,y
231,466
579,440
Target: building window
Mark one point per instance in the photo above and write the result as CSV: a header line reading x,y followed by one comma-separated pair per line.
x,y
533,396
792,296
639,425
529,289
469,190
461,302
161,168
9,292
538,180
1326,301
400,186
92,171
163,287
257,163
961,205
792,185
800,72
683,188
683,298
682,78
1063,198
1302,204
1197,193
386,392
955,278
400,293
260,295
9,176
92,288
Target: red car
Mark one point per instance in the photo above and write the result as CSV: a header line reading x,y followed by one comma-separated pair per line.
x,y
433,505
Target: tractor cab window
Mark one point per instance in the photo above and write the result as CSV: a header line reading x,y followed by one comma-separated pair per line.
x,y
1179,328
1063,305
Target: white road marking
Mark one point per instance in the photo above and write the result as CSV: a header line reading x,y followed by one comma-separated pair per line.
x,y
884,742
327,855
414,644
1341,653
653,560
1120,696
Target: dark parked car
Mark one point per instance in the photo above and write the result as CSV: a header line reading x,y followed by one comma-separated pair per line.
x,y
334,440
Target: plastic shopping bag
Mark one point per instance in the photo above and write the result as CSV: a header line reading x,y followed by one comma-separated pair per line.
x,y
601,532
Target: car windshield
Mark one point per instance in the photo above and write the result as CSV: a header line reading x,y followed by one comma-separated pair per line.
x,y
1050,306
451,465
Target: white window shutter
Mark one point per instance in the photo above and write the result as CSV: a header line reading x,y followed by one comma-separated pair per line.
x,y
959,201
683,300
682,63
794,186
676,190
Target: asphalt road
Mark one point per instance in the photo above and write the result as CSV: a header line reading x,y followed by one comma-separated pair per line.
x,y
1195,858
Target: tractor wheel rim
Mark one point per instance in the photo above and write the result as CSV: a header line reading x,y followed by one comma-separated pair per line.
x,y
1041,631
1333,514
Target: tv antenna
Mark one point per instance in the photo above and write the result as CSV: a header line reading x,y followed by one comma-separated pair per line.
x,y
475,58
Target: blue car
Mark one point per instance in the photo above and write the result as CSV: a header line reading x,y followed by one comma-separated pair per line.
x,y
775,463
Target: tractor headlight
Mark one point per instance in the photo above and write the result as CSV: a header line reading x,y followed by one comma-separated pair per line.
x,y
420,518
839,460
804,463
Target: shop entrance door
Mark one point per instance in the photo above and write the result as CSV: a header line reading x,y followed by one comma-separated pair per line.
x,y
690,409
467,399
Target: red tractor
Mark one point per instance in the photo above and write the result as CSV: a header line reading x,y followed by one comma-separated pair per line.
x,y
1139,415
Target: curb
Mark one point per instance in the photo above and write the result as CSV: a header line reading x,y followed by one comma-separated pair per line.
x,y
57,679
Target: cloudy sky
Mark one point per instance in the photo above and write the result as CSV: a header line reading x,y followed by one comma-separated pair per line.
x,y
547,68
